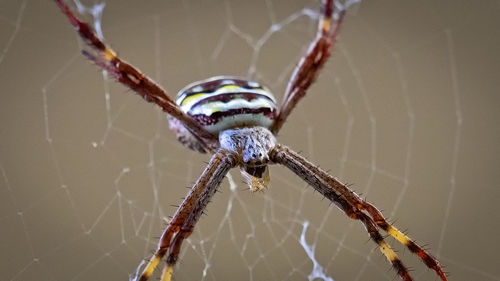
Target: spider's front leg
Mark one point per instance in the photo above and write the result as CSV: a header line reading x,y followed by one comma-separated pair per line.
x,y
355,208
188,213
131,77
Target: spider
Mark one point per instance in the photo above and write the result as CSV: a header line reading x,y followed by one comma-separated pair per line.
x,y
236,120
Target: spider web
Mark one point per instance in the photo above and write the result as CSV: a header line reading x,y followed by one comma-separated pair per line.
x,y
406,110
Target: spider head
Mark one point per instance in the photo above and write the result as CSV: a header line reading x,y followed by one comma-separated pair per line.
x,y
252,145
223,102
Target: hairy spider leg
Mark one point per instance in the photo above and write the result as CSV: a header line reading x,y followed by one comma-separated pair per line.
x,y
129,76
429,260
308,68
353,206
188,213
379,219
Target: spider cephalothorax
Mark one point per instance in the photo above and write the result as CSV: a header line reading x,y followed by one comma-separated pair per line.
x,y
252,145
236,120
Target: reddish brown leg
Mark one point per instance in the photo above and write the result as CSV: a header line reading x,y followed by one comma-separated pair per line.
x,y
355,208
307,70
129,76
429,260
188,213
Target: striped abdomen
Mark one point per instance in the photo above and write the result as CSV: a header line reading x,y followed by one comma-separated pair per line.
x,y
225,102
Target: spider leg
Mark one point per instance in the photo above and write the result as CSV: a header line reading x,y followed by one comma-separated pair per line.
x,y
353,206
307,69
188,213
129,76
377,216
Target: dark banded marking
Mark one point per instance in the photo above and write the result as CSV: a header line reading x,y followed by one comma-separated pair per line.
x,y
225,98
212,84
186,102
217,116
224,102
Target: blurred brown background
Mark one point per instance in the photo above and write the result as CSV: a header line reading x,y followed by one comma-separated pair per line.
x,y
406,110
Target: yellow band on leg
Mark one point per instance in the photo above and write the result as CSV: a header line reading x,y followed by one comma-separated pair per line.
x,y
398,235
148,270
109,54
326,24
167,273
387,251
